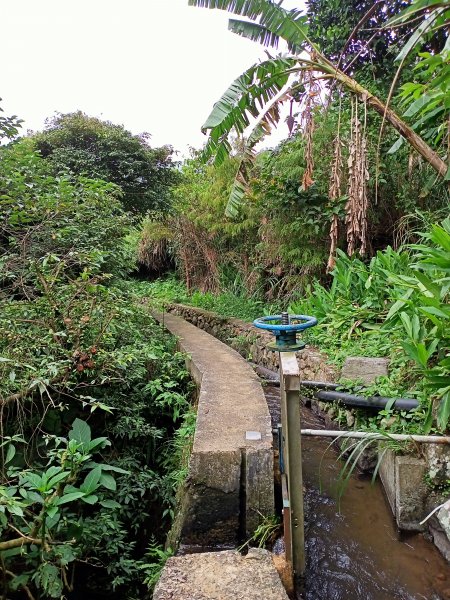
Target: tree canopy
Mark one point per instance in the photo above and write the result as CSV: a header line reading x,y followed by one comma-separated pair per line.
x,y
260,90
83,145
348,33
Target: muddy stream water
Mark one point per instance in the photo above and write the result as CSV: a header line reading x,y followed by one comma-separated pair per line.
x,y
353,549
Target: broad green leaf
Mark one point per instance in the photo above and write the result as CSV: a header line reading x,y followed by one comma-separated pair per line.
x,y
407,323
14,509
417,105
110,504
68,498
91,499
33,479
56,479
412,352
440,236
115,469
393,149
422,354
428,284
289,25
236,199
408,13
34,497
254,32
255,87
51,471
444,411
438,312
91,481
80,432
51,512
10,453
108,481
101,441
398,304
417,36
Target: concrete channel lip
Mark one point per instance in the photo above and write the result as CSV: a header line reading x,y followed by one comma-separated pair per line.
x,y
225,575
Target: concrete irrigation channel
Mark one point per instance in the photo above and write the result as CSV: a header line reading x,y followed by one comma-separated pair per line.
x,y
353,547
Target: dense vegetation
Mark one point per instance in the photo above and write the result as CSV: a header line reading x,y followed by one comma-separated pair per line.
x,y
345,220
93,392
82,145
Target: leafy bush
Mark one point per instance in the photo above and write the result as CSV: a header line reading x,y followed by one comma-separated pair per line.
x,y
396,306
38,507
74,347
55,227
424,313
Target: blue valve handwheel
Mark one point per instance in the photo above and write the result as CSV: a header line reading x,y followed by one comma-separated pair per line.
x,y
265,323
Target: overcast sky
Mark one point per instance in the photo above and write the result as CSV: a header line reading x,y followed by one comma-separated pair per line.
x,y
151,65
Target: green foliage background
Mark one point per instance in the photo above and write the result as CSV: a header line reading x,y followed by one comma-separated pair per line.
x,y
93,395
81,145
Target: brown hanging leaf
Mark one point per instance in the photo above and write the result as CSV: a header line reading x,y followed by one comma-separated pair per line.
x,y
335,192
358,200
334,235
309,126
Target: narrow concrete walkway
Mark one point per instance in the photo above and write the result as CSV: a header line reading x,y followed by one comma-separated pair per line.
x,y
230,482
229,486
232,401
220,576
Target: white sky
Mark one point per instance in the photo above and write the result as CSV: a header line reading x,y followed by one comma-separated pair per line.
x,y
150,65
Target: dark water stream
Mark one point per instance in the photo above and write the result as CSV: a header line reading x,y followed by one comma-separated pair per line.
x,y
353,549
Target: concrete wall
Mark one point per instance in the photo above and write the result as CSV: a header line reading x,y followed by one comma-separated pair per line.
x,y
229,486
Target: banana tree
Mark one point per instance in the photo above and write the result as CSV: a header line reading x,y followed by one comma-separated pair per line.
x,y
260,90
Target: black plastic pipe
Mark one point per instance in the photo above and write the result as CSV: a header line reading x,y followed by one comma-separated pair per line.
x,y
327,392
374,402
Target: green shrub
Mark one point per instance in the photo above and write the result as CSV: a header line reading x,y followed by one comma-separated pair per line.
x,y
76,348
396,305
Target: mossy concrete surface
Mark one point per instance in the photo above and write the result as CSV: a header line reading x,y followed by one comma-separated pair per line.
x,y
225,575
230,479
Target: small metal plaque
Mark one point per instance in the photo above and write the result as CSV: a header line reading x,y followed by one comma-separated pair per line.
x,y
253,435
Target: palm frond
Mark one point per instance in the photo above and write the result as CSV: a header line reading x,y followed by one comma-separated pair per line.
x,y
219,150
290,25
247,8
418,36
254,32
245,98
416,8
236,199
270,118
